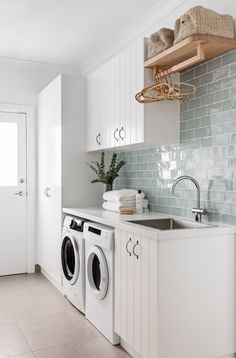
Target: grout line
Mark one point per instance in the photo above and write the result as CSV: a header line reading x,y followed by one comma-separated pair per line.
x,y
27,341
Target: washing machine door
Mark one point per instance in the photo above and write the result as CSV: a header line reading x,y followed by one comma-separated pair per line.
x,y
97,272
70,258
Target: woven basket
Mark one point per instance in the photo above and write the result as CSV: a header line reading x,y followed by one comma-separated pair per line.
x,y
200,20
159,41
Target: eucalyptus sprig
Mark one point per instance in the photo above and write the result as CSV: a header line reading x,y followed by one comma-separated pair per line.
x,y
103,176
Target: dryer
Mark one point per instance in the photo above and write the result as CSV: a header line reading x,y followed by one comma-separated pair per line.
x,y
99,256
72,261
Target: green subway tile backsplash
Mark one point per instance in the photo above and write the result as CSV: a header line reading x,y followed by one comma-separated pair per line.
x,y
207,150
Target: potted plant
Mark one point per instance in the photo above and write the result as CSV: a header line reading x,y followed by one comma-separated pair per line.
x,y
106,176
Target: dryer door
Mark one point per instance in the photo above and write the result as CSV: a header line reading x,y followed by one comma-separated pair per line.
x,y
70,258
97,272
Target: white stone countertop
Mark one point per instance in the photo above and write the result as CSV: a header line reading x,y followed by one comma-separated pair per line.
x,y
121,221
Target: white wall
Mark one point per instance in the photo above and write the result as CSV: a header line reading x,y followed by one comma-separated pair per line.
x,y
21,80
162,15
75,173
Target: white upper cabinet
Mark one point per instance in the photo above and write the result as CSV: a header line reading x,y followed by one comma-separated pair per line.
x,y
114,117
94,129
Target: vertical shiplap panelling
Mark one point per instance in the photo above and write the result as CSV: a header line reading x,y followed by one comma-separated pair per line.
x,y
126,93
145,302
133,79
109,121
117,281
153,299
140,76
116,99
114,105
122,91
130,291
127,122
207,150
104,71
99,105
123,286
137,294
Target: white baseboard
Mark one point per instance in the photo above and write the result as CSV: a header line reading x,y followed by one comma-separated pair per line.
x,y
54,282
133,354
128,349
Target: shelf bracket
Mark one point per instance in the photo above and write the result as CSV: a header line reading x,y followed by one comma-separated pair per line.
x,y
192,61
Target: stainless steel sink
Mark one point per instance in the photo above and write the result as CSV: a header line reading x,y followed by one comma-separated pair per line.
x,y
169,224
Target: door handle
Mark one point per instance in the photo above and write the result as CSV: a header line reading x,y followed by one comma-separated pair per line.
x,y
46,192
115,137
20,193
98,136
126,246
122,136
48,195
135,254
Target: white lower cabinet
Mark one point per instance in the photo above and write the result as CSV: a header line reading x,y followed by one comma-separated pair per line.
x,y
136,292
175,298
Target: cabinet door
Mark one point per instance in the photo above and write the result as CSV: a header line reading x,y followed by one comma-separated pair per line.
x,y
49,179
128,288
107,98
95,136
136,292
137,83
130,81
114,117
150,293
114,91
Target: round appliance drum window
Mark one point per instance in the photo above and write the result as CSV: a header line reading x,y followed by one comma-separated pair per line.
x,y
70,259
97,272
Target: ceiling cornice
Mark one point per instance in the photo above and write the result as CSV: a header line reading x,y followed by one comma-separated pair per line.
x,y
142,27
69,70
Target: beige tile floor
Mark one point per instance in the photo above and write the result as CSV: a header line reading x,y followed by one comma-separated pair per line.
x,y
36,321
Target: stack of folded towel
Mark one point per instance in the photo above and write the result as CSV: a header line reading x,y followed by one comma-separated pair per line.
x,y
116,200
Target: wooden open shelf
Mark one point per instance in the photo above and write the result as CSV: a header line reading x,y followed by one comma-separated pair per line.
x,y
190,52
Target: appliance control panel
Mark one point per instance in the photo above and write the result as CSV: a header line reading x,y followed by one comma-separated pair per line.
x,y
73,223
99,235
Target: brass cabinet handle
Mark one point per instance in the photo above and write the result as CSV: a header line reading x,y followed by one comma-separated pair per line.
x,y
122,131
115,137
127,244
134,249
98,141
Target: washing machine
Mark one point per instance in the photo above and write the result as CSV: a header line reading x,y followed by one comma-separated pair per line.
x,y
99,273
72,261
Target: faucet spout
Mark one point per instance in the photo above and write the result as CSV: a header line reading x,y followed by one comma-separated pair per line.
x,y
198,210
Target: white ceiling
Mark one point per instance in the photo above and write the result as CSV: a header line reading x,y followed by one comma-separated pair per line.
x,y
64,32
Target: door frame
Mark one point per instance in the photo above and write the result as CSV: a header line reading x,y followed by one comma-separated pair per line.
x,y
31,176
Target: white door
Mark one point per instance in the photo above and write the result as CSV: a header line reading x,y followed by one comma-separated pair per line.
x,y
13,241
97,272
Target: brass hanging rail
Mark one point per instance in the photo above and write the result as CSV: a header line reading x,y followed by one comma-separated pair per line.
x,y
165,89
